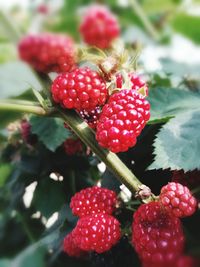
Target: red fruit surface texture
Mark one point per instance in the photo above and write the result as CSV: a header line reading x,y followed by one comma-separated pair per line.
x,y
122,120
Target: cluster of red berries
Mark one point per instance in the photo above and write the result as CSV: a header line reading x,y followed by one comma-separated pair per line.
x,y
96,230
157,231
124,114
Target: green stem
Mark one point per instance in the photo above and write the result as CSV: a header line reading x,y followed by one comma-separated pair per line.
x,y
144,19
114,164
25,227
20,106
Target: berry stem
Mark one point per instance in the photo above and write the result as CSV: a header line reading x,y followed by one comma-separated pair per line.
x,y
114,164
22,106
144,19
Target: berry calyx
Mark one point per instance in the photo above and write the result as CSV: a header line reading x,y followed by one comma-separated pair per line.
x,y
178,200
136,82
81,89
99,27
70,247
97,232
122,120
48,52
93,200
73,146
157,235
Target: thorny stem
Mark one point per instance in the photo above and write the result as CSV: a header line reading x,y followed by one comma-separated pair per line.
x,y
144,19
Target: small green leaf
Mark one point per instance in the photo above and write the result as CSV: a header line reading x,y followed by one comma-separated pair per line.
x,y
48,197
5,171
16,78
177,145
50,131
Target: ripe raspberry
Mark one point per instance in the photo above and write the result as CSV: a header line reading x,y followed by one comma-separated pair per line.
x,y
122,120
93,200
99,27
97,232
157,236
73,146
27,136
91,117
187,261
136,81
189,179
71,248
178,200
81,89
48,52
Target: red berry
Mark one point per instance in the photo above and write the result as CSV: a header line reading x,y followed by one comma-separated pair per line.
x,y
91,117
157,236
189,179
178,200
73,146
99,27
48,52
81,89
97,232
43,9
71,248
122,120
136,82
93,200
187,261
27,136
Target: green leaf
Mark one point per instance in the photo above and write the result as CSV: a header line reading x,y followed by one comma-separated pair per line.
x,y
16,78
5,263
48,197
5,171
177,145
187,25
50,131
31,257
167,103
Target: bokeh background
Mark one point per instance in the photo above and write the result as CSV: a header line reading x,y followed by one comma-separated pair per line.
x,y
166,36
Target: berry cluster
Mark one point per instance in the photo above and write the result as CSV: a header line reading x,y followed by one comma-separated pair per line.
x,y
122,120
157,232
178,200
99,27
48,52
97,230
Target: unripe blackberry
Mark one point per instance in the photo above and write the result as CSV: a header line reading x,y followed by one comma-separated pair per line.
x,y
81,89
157,236
48,52
93,200
97,232
91,117
178,200
122,120
99,27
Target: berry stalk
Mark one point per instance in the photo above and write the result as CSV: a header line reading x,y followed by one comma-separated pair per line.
x,y
114,164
